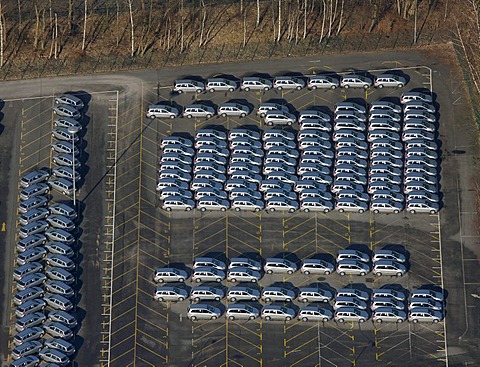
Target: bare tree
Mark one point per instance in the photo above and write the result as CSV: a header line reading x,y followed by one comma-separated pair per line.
x,y
305,19
70,15
279,35
37,26
202,25
84,25
19,7
182,30
132,28
258,12
1,34
341,18
324,11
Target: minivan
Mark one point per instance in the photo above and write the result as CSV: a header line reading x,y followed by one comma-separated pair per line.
x,y
66,110
385,105
352,267
31,280
207,274
243,274
238,183
30,242
349,106
200,183
69,99
162,275
387,314
58,330
35,227
203,312
349,302
233,109
425,302
322,81
244,262
355,81
383,124
220,84
279,118
206,293
242,293
32,203
387,302
317,266
241,312
62,185
29,320
288,82
350,314
209,261
415,96
33,215
384,114
66,172
270,294
315,313
24,270
255,83
421,314
277,313
188,85
26,295
33,333
34,305
313,115
389,80
34,177
63,209
34,254
264,107
162,111
389,293
198,110
278,266
314,294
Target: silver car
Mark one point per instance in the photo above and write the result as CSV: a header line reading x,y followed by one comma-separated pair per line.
x,y
65,147
355,81
68,123
198,110
69,99
279,118
389,80
31,280
188,85
162,111
255,83
65,160
233,109
322,82
66,110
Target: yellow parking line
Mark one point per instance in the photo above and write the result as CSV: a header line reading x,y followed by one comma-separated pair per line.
x,y
118,330
150,323
298,361
156,312
123,354
345,236
204,362
314,325
121,315
247,354
285,231
124,286
151,256
243,243
255,345
199,228
143,360
238,229
160,222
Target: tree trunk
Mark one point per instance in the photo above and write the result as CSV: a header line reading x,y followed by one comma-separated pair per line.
x,y
341,18
84,25
70,15
117,33
330,23
182,32
279,35
1,34
37,26
305,19
258,12
202,25
132,51
324,10
244,29
19,12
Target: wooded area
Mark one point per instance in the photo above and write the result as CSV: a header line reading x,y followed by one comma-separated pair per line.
x,y
81,31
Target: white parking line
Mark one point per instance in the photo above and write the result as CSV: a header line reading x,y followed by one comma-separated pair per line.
x,y
443,287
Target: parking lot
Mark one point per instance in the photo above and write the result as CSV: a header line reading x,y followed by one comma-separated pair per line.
x,y
154,333
122,325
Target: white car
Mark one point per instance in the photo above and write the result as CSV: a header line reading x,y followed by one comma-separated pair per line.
x,y
279,118
212,203
315,204
288,82
355,81
177,203
351,205
278,203
247,203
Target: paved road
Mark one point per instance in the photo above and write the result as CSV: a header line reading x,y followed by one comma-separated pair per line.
x,y
459,235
